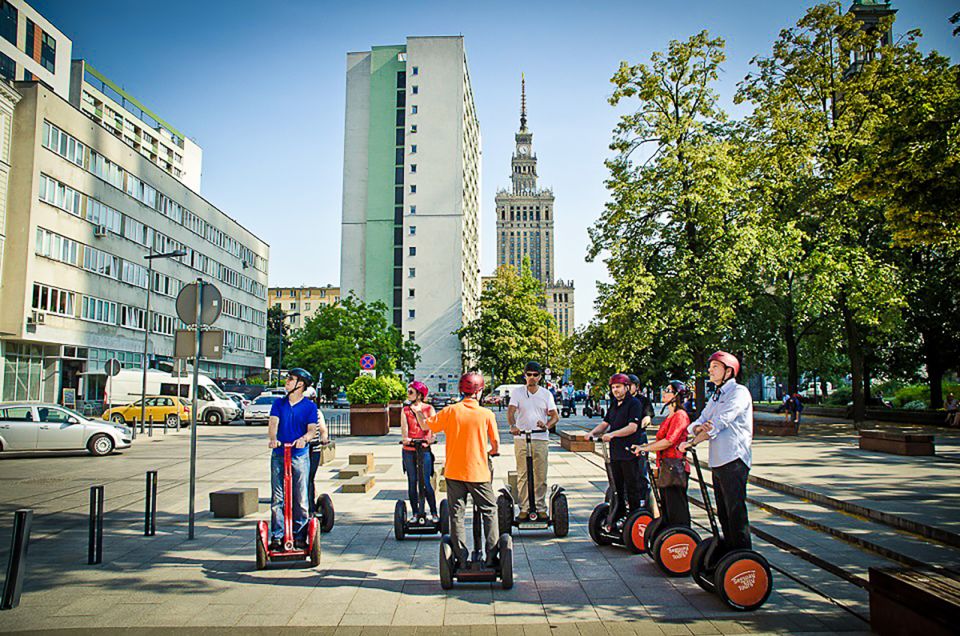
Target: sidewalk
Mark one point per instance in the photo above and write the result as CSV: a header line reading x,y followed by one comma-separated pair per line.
x,y
366,577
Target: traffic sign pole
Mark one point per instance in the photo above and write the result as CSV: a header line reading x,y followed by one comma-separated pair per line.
x,y
193,427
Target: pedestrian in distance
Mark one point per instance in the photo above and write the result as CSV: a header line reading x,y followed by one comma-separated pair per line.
x,y
796,408
293,420
619,428
952,406
532,408
727,421
410,430
471,439
673,469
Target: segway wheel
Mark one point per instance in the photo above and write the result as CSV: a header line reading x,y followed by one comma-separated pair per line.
x,y
315,548
444,517
700,562
673,550
561,516
744,580
505,546
400,520
597,517
505,514
327,514
634,531
261,553
447,563
653,529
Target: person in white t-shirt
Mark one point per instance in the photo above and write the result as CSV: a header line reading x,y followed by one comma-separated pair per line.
x,y
532,408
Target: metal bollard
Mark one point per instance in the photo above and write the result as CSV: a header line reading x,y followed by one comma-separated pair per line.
x,y
150,507
178,424
95,544
17,565
151,427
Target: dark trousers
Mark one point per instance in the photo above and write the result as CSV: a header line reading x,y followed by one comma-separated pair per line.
x,y
730,486
410,468
644,469
311,489
626,483
483,497
676,510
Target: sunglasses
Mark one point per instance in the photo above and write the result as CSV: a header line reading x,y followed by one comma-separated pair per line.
x,y
532,375
411,392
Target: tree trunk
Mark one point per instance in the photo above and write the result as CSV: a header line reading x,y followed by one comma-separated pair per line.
x,y
935,369
699,364
855,353
867,379
793,366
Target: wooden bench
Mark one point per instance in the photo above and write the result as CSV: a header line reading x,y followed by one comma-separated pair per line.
x,y
914,601
235,503
352,472
577,442
896,442
359,485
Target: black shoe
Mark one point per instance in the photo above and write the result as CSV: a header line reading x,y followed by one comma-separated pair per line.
x,y
492,562
275,545
300,544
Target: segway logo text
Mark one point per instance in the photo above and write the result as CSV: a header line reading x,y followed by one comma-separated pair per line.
x,y
679,551
745,580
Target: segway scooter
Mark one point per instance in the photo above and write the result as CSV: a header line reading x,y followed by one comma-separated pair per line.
x,y
742,578
288,550
628,528
559,518
422,524
475,569
322,506
671,546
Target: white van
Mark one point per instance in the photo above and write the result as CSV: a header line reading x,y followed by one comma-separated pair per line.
x,y
213,405
504,390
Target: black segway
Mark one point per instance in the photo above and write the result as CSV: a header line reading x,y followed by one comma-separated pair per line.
x,y
322,506
422,524
628,528
671,546
742,578
559,518
475,569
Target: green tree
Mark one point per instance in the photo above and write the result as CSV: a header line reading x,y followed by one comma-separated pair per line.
x,y
512,326
277,329
676,236
336,336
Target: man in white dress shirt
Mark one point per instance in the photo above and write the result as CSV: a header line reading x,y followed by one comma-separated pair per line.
x,y
532,408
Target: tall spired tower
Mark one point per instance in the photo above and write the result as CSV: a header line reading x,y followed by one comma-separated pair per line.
x,y
525,216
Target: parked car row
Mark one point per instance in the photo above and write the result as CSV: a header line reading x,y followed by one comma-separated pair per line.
x,y
29,426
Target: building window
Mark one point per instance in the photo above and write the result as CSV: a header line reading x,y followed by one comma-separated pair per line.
x,y
411,314
411,293
401,57
413,230
415,89
413,128
8,68
413,209
66,146
8,22
279,293
293,305
306,307
413,149
412,272
306,294
97,310
48,52
415,70
413,167
132,317
413,189
413,251
53,300
411,335
414,110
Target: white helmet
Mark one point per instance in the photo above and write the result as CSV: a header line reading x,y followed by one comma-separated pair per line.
x,y
310,393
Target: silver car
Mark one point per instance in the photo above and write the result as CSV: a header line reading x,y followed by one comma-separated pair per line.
x,y
28,426
259,411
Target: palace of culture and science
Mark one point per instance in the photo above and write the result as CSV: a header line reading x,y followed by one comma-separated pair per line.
x,y
525,216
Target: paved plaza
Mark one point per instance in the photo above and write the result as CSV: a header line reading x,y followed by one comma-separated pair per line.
x,y
369,582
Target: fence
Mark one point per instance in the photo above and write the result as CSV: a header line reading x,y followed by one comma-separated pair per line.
x,y
338,425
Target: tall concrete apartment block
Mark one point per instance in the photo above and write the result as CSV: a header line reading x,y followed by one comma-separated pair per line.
x,y
32,49
525,215
411,195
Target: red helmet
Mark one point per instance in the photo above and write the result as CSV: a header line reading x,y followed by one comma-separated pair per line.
x,y
419,387
619,378
471,382
728,360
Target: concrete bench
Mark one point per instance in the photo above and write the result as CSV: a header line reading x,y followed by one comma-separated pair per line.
x,y
352,472
577,442
774,429
896,442
328,453
359,485
362,459
914,601
235,503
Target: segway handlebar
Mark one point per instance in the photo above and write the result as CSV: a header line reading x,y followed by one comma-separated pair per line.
x,y
703,491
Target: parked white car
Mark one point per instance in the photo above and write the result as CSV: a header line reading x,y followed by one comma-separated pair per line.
x,y
28,426
259,411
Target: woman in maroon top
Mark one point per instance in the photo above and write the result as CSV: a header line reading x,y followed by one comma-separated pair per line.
x,y
672,432
410,430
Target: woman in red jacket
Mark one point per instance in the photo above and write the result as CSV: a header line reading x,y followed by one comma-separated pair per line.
x,y
410,430
673,469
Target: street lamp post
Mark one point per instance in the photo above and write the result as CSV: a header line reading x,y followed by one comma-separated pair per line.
x,y
146,331
283,319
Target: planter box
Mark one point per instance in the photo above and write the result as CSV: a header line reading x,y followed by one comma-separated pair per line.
x,y
914,601
396,412
236,503
896,443
369,419
577,442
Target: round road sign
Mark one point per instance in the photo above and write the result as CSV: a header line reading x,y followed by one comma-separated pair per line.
x,y
368,362
112,367
210,304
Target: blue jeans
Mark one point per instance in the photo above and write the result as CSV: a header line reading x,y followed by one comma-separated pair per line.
x,y
410,467
301,468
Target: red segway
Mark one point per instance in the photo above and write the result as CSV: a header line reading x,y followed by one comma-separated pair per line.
x,y
742,578
671,546
288,551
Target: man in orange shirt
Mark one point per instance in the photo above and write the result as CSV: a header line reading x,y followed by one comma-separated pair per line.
x,y
469,429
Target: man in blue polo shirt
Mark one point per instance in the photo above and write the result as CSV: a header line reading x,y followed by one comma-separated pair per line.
x,y
293,420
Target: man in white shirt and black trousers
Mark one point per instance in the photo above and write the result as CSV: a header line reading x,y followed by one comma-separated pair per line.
x,y
532,408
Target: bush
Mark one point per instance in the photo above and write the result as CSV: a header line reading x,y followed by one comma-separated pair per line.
x,y
841,397
911,393
368,390
916,405
398,391
256,380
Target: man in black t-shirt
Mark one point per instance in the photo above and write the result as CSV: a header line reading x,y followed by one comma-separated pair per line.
x,y
646,417
619,427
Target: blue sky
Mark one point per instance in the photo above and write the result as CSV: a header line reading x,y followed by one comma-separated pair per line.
x,y
260,86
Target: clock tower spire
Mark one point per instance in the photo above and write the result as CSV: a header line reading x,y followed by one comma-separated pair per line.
x,y
524,162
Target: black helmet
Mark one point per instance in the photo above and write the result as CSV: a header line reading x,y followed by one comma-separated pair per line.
x,y
634,380
679,388
301,374
533,366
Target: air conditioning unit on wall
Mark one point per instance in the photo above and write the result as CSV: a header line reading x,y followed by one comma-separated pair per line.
x,y
100,231
37,317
